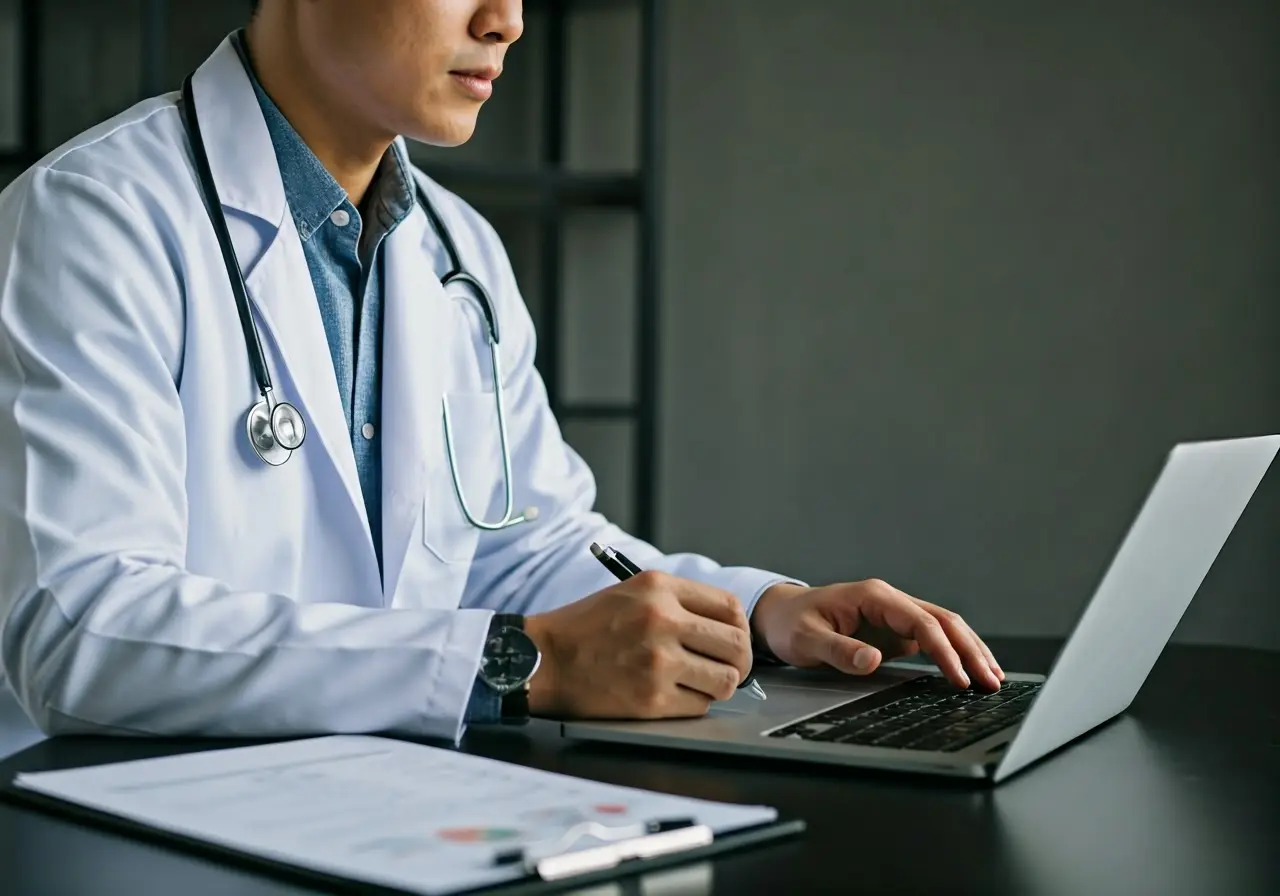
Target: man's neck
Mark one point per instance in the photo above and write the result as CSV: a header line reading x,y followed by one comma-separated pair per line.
x,y
348,150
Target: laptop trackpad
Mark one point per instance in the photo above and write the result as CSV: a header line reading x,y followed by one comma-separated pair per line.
x,y
795,692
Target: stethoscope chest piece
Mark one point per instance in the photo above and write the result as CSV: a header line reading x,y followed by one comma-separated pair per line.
x,y
275,433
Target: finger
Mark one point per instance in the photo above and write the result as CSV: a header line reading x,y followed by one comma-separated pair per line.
x,y
686,703
991,657
888,607
975,658
715,680
841,652
976,654
966,644
717,640
986,652
713,603
671,701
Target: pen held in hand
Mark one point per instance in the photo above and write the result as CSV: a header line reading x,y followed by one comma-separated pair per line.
x,y
623,569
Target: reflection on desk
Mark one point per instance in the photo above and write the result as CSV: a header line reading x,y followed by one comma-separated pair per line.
x,y
1076,823
688,880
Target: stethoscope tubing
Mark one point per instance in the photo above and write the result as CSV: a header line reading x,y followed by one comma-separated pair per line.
x,y
270,453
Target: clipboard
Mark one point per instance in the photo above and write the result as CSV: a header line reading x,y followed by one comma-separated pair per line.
x,y
783,829
636,855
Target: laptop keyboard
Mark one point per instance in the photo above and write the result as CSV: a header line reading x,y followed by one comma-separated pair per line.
x,y
925,713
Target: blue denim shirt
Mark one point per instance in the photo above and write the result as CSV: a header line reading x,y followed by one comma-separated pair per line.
x,y
345,259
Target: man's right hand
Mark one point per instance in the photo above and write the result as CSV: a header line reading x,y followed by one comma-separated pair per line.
x,y
655,646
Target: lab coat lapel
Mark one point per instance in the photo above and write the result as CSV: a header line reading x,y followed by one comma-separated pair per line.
x,y
241,155
243,161
415,355
289,314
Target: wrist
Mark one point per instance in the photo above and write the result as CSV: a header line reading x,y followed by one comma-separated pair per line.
x,y
542,687
767,605
763,615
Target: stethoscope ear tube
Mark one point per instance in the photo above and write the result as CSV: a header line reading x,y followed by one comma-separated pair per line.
x,y
479,295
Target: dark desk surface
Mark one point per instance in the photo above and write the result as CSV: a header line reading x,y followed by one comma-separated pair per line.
x,y
1180,795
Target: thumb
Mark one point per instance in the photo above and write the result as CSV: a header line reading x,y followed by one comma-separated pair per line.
x,y
847,654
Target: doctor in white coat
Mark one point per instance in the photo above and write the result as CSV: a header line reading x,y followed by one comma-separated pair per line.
x,y
157,577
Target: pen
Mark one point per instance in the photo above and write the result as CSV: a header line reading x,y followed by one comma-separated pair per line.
x,y
600,832
622,568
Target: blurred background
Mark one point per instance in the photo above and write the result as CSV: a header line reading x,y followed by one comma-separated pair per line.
x,y
913,289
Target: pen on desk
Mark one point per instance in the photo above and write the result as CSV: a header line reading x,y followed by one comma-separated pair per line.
x,y
623,569
657,826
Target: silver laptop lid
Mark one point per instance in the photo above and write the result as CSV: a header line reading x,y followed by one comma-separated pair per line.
x,y
1186,518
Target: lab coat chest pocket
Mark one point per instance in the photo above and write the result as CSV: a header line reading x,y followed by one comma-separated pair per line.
x,y
473,426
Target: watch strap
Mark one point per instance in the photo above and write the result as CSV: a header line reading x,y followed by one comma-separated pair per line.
x,y
515,706
506,620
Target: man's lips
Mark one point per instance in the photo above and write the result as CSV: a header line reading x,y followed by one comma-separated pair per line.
x,y
477,82
488,72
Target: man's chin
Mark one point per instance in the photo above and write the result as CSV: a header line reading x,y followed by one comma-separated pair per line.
x,y
453,132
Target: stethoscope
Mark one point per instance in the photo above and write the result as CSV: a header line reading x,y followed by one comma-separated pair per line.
x,y
276,428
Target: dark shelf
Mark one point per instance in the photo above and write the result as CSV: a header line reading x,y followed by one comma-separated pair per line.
x,y
594,411
529,187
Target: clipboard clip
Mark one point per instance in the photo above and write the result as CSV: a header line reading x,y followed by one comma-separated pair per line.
x,y
643,841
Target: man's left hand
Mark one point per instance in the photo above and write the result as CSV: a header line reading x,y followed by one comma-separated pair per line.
x,y
817,626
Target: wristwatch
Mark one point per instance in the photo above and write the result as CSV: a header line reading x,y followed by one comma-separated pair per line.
x,y
509,660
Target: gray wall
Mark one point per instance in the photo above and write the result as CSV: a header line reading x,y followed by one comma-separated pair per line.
x,y
945,281
942,282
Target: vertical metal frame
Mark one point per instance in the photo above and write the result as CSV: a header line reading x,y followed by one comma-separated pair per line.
x,y
155,40
648,305
29,71
550,211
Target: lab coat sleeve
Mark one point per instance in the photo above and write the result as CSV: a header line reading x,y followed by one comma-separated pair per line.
x,y
101,627
547,563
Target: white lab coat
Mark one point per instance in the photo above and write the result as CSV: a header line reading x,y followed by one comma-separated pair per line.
x,y
155,576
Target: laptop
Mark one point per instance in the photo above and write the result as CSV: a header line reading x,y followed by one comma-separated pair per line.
x,y
906,717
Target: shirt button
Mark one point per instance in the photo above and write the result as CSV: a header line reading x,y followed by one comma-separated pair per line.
x,y
340,218
367,430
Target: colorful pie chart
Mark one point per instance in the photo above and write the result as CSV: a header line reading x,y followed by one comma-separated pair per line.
x,y
476,835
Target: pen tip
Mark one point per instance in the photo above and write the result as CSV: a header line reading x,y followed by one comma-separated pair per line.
x,y
596,550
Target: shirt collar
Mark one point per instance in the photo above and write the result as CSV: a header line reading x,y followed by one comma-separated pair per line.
x,y
393,197
311,191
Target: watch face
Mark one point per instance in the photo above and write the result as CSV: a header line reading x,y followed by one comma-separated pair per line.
x,y
510,659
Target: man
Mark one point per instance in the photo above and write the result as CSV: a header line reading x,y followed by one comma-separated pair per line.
x,y
158,578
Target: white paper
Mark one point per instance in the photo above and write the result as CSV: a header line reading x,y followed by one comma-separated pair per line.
x,y
424,819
